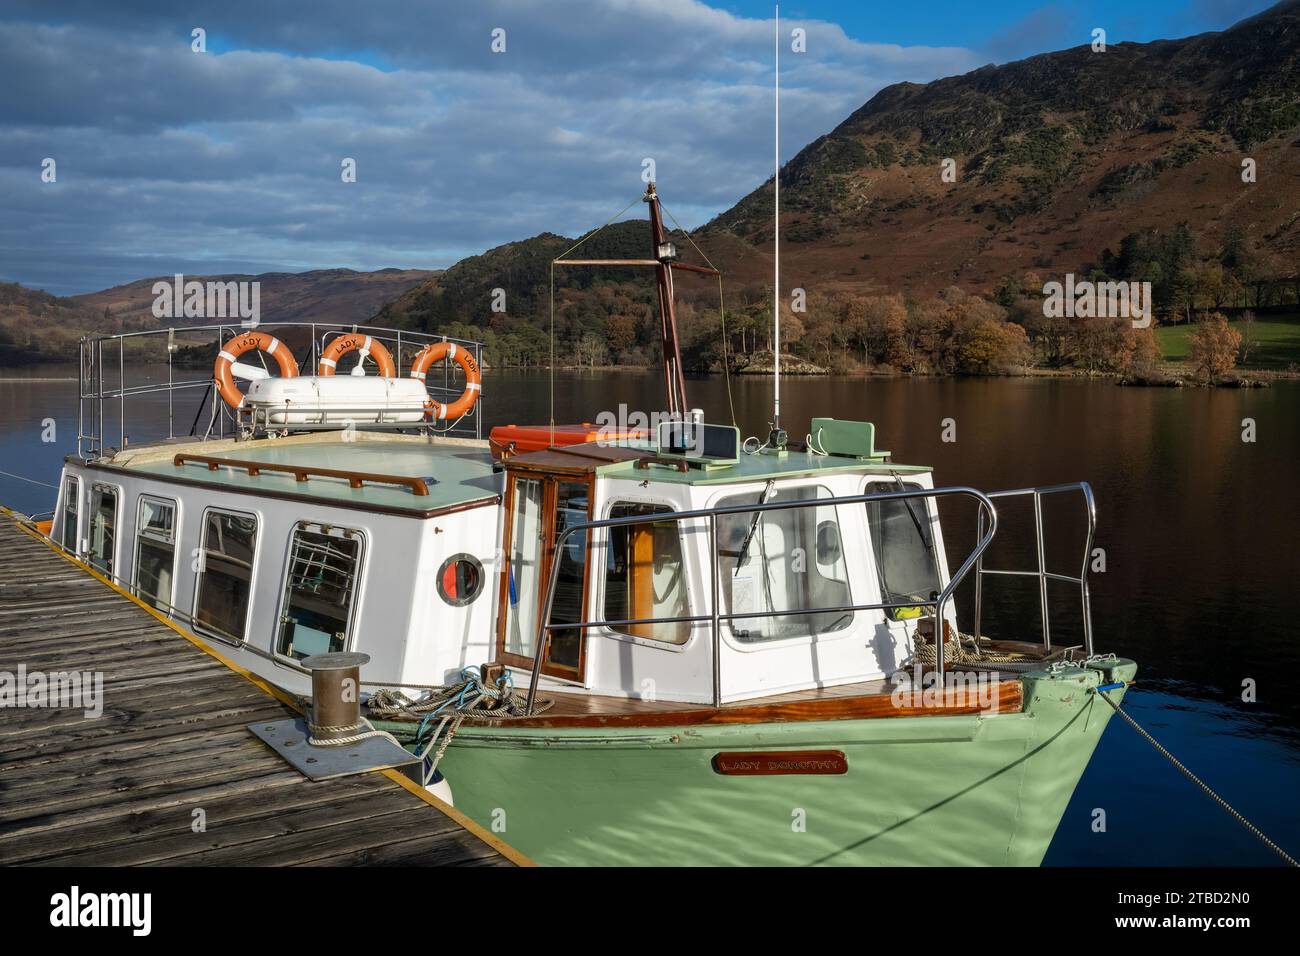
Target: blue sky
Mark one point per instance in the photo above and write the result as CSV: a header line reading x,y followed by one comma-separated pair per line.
x,y
229,160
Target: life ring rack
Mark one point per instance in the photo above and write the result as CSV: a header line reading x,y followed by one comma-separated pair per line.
x,y
441,351
366,345
248,342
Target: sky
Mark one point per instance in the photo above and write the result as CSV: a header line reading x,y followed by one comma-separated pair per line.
x,y
230,159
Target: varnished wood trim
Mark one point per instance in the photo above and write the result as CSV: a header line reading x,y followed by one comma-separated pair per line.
x,y
491,500
1009,698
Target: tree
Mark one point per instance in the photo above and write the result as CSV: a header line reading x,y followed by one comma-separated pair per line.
x,y
1214,347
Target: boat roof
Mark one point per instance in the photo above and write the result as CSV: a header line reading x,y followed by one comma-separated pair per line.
x,y
454,472
613,460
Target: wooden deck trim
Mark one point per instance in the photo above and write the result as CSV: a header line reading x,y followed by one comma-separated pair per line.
x,y
1009,699
463,822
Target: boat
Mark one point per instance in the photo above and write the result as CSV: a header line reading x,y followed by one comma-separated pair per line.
x,y
642,646
614,644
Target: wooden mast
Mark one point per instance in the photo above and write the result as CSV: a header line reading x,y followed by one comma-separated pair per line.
x,y
664,261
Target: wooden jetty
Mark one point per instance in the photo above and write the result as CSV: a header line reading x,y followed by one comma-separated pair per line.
x,y
169,774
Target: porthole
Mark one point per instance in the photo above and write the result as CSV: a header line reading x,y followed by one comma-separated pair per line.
x,y
460,579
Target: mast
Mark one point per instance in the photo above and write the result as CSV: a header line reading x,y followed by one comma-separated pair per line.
x,y
776,239
664,261
665,252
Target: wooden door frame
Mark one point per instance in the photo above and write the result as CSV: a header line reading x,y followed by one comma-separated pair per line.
x,y
550,481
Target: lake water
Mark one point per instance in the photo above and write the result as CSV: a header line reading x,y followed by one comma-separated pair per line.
x,y
1200,531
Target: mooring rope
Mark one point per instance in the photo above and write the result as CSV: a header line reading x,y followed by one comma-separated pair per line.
x,y
10,474
1259,834
471,698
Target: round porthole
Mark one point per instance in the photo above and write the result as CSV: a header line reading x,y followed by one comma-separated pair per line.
x,y
460,579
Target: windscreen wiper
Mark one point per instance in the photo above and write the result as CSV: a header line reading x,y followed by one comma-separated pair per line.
x,y
753,526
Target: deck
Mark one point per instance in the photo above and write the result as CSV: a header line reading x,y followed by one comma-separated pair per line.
x,y
171,749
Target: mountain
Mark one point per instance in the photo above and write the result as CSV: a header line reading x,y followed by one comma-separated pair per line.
x,y
327,295
1125,164
1057,158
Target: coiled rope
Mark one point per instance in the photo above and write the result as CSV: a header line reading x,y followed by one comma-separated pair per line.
x,y
1259,834
472,699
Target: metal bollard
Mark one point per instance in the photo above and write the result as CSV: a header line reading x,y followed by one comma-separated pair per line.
x,y
335,696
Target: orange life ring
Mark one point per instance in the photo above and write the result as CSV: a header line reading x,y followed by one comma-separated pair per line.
x,y
368,346
248,342
473,378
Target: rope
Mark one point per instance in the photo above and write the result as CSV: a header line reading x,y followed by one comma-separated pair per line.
x,y
722,308
1101,692
10,474
470,699
553,262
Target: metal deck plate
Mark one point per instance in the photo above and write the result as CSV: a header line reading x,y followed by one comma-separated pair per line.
x,y
288,738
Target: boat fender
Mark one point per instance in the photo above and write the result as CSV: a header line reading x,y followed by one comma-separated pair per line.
x,y
438,352
367,346
237,346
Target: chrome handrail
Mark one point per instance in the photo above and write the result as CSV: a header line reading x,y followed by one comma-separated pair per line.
x,y
96,389
1043,575
715,616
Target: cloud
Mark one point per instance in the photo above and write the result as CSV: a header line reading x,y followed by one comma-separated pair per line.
x,y
232,157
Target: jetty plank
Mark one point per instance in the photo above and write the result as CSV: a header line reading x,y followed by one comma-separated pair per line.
x,y
124,787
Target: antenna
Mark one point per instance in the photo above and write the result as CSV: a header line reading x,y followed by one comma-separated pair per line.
x,y
776,239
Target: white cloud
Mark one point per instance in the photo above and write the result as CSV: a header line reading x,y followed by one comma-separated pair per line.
x,y
234,156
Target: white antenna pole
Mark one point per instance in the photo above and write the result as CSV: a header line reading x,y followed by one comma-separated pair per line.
x,y
776,239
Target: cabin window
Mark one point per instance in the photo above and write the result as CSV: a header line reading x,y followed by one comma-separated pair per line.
x,y
784,560
571,507
103,528
522,569
225,580
644,575
903,542
71,496
320,588
155,552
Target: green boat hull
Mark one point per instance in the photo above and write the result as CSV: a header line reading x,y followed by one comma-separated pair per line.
x,y
942,790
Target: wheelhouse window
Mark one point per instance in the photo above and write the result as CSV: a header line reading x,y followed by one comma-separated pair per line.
x,y
103,528
320,590
155,552
783,560
644,574
903,542
225,579
71,509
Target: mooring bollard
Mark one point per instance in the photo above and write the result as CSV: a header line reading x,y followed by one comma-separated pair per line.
x,y
335,697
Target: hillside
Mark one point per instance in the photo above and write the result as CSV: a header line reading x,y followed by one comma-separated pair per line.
x,y
38,327
326,295
1057,158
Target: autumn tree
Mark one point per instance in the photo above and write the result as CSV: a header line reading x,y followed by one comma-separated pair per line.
x,y
1214,347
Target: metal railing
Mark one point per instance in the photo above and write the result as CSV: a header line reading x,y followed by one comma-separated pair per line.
x,y
1042,574
716,617
99,389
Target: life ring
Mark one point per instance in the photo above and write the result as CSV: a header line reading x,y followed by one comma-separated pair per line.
x,y
473,378
368,346
248,342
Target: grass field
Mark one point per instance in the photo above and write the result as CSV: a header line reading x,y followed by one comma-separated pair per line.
x,y
1276,338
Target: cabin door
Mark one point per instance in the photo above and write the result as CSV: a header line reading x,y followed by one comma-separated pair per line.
x,y
540,508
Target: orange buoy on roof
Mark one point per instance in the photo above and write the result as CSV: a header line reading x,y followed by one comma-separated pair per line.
x,y
367,346
248,342
437,352
507,440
